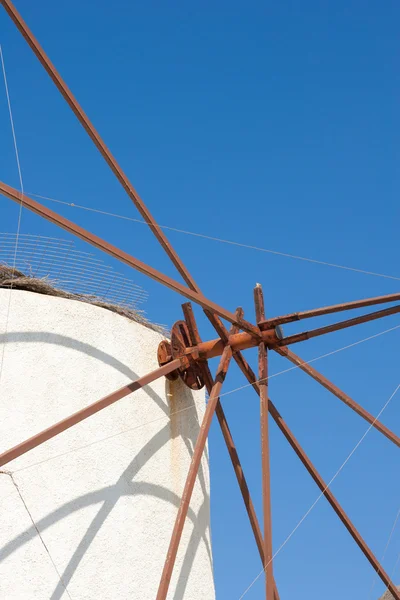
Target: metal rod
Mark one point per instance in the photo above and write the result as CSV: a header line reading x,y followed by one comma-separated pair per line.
x,y
327,310
265,466
86,412
97,140
126,258
251,378
243,341
230,444
192,475
296,360
238,341
307,335
223,333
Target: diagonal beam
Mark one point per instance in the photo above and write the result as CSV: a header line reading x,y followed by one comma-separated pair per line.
x,y
307,335
265,466
333,502
230,444
86,412
251,378
124,257
97,140
192,475
327,310
307,368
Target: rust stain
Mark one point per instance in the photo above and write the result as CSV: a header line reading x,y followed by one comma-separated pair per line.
x,y
172,388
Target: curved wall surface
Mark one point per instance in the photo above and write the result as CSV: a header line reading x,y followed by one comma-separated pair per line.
x,y
88,515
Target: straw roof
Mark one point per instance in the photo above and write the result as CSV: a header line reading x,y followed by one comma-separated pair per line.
x,y
15,279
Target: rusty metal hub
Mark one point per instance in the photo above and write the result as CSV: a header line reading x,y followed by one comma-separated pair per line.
x,y
191,356
164,356
190,371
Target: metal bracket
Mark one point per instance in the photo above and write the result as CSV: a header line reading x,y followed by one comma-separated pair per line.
x,y
190,371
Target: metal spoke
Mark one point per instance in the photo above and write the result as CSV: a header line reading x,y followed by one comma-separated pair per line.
x,y
327,310
230,444
307,335
192,475
265,466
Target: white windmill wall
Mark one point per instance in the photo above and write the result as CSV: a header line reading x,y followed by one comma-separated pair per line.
x,y
92,510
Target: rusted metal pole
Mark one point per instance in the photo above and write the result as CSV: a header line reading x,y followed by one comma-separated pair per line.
x,y
124,257
296,360
307,335
97,140
326,310
251,378
266,484
237,341
243,485
270,337
193,470
86,412
223,333
230,444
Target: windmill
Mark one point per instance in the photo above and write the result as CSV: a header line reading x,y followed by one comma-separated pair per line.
x,y
186,356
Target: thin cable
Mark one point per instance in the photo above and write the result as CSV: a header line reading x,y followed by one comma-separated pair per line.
x,y
40,536
323,492
20,203
216,239
193,405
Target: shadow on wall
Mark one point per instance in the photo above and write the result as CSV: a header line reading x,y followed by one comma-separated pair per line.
x,y
45,337
126,484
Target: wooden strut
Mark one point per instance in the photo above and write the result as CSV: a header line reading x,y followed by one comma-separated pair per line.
x,y
193,470
265,466
230,444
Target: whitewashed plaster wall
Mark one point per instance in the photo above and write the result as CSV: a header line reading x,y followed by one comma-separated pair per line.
x,y
88,515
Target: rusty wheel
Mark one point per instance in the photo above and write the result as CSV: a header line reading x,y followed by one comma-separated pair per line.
x,y
190,371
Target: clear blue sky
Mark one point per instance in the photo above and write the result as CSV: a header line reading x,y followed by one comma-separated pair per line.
x,y
275,125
